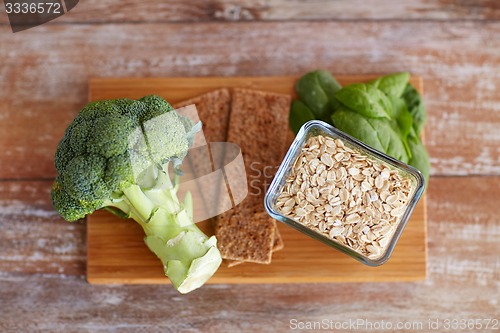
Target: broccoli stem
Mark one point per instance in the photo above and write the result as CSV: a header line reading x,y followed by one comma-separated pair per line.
x,y
189,257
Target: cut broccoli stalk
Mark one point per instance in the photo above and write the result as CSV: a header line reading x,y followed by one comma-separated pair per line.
x,y
189,257
115,156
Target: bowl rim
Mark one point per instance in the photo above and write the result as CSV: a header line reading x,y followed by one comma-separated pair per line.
x,y
290,158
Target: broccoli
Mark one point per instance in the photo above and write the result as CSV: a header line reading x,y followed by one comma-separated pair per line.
x,y
116,155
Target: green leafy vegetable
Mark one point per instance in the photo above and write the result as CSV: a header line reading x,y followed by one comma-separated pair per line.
x,y
299,115
404,121
366,100
392,85
316,89
420,157
387,113
416,107
380,134
116,155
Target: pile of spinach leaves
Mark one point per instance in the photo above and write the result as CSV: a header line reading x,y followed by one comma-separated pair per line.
x,y
387,114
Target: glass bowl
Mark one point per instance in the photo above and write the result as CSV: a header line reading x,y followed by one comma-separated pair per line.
x,y
314,128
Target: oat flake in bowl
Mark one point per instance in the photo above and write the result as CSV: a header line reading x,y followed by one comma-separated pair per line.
x,y
349,195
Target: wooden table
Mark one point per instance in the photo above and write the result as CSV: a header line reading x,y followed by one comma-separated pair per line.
x,y
454,45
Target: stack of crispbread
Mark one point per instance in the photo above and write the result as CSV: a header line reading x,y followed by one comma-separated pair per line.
x,y
258,122
213,109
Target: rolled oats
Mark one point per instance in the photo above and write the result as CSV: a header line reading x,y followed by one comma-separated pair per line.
x,y
351,198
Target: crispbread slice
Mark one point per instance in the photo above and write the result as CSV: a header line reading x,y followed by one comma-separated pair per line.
x,y
278,244
259,125
278,241
213,110
248,237
232,263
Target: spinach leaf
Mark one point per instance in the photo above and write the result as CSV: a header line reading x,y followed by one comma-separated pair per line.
x,y
404,120
402,116
357,126
392,85
316,89
329,84
420,157
299,115
387,114
416,107
366,100
381,134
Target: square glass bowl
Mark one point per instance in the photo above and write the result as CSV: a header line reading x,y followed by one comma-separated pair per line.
x,y
314,128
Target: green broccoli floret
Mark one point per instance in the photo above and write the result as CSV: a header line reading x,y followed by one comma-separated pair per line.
x,y
115,155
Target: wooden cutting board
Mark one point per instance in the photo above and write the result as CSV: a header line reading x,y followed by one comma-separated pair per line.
x,y
116,252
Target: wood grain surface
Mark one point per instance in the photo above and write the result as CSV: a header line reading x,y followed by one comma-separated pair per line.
x,y
462,281
127,260
178,89
119,11
44,72
458,61
302,260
